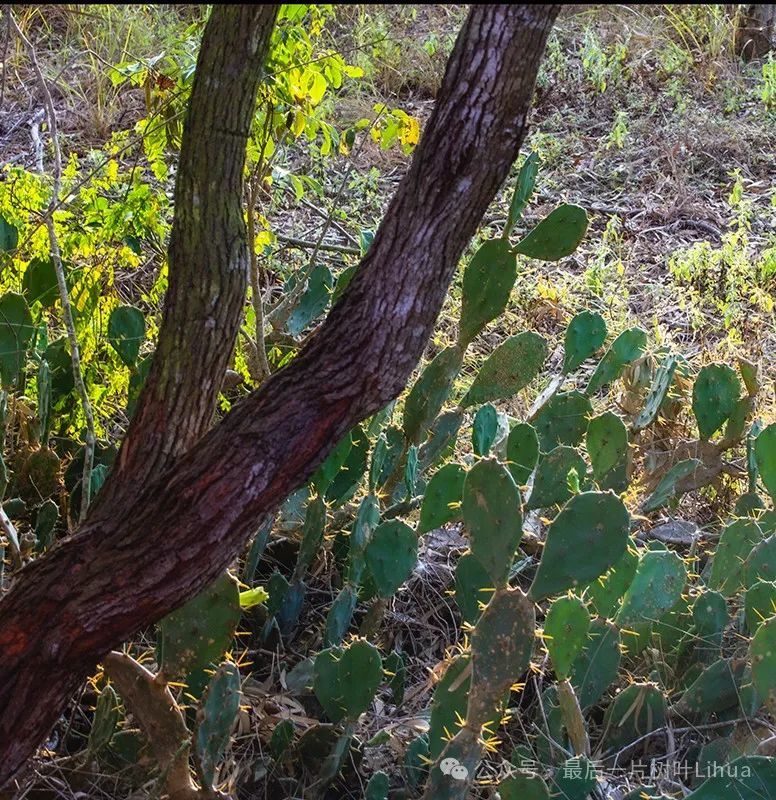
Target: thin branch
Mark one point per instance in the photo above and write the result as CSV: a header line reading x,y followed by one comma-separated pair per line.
x,y
56,257
263,370
303,244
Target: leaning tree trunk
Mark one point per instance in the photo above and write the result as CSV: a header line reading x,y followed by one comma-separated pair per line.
x,y
168,526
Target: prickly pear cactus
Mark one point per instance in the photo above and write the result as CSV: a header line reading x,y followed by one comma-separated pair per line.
x,y
593,523
658,392
201,631
558,235
509,368
429,392
595,668
625,349
493,517
763,655
765,456
735,544
473,587
584,335
522,452
502,644
551,484
565,632
442,498
607,446
638,710
487,283
562,420
346,679
391,556
215,720
714,397
759,604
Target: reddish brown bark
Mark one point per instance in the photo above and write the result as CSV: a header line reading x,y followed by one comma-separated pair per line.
x,y
156,539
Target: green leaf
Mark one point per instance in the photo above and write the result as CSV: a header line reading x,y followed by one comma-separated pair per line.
x,y
253,597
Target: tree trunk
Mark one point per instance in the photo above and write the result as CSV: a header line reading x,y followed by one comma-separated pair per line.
x,y
756,30
161,535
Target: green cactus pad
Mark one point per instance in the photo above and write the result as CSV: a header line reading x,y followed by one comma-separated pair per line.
x,y
625,349
282,738
522,452
484,429
584,335
429,393
487,283
441,438
637,710
312,536
200,632
493,517
657,586
658,391
334,462
395,668
451,696
746,778
106,718
45,521
366,521
605,592
416,761
346,679
558,235
314,300
593,523
473,587
597,666
763,656
524,188
761,563
525,786
736,543
340,616
566,632
562,420
551,484
391,556
607,446
760,604
765,457
714,397
671,484
575,779
442,498
16,331
352,471
502,644
126,333
508,369
710,617
377,787
215,720
717,688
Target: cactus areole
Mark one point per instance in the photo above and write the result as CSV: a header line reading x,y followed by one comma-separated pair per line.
x,y
182,500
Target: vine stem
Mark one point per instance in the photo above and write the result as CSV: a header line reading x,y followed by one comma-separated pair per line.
x,y
56,257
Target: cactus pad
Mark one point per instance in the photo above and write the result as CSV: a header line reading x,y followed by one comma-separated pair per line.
x,y
509,368
584,335
558,235
551,481
625,349
607,446
215,720
493,517
522,452
566,632
714,397
346,679
429,393
594,524
442,498
391,556
562,420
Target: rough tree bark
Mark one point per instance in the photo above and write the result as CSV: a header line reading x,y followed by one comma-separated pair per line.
x,y
168,526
